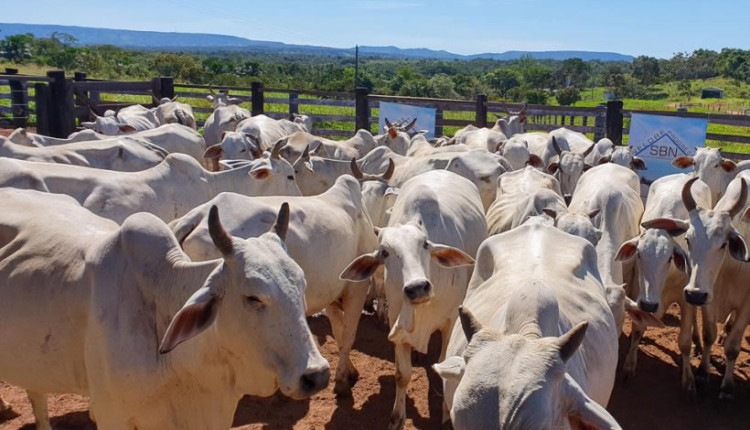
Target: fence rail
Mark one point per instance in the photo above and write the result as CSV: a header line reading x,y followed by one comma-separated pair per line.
x,y
55,104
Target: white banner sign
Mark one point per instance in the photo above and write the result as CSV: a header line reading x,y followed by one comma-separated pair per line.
x,y
404,114
658,139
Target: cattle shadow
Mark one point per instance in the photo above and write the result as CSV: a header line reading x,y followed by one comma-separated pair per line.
x,y
653,399
275,412
79,420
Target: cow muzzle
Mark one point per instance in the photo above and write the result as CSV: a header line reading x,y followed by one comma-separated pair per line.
x,y
314,381
648,306
696,297
418,291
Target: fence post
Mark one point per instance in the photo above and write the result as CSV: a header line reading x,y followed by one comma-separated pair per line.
x,y
600,122
85,115
166,86
362,109
614,121
481,111
61,119
156,90
257,98
293,105
18,101
438,120
41,95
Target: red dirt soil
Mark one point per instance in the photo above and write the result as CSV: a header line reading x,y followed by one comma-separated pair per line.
x,y
651,400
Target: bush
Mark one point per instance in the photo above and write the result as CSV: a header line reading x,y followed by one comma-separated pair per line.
x,y
568,96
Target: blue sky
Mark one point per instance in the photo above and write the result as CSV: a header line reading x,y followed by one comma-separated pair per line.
x,y
652,27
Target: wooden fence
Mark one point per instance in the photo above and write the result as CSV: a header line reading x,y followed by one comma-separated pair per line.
x,y
58,103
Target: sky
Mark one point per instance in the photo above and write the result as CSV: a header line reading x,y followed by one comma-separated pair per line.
x,y
658,28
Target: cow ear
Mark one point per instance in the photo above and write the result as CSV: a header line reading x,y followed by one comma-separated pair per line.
x,y
535,161
261,172
746,215
639,317
362,267
391,191
126,128
627,250
674,227
737,246
570,341
552,168
593,213
469,323
448,256
639,164
194,317
210,98
87,124
213,151
452,368
585,413
682,162
728,165
681,259
550,213
223,135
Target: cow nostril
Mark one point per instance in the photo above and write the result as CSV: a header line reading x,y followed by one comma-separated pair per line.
x,y
696,298
648,306
313,382
418,290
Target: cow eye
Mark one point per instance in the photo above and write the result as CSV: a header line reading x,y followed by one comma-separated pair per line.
x,y
384,253
243,150
253,300
425,245
290,177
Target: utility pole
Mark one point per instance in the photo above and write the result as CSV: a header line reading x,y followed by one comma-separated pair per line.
x,y
356,67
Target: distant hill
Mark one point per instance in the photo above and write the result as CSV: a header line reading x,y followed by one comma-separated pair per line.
x,y
155,40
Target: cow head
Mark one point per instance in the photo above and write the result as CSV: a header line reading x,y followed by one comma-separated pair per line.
x,y
108,125
221,99
624,157
254,302
483,169
304,122
569,168
518,155
577,224
711,236
518,381
713,169
234,145
653,251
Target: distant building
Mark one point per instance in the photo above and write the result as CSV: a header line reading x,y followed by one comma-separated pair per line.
x,y
712,93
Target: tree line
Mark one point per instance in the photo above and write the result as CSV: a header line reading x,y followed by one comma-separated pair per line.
x,y
525,79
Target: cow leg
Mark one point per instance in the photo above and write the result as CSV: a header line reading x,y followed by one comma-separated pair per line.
x,y
687,316
696,335
631,360
4,406
39,406
344,325
732,345
709,337
403,376
445,334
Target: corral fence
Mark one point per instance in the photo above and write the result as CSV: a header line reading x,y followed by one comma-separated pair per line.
x,y
56,104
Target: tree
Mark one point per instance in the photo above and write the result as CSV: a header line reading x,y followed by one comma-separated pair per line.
x,y
685,89
503,80
646,70
567,96
17,48
572,72
443,86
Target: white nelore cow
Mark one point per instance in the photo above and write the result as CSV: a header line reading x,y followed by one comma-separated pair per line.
x,y
420,146
578,142
170,111
623,155
713,169
516,151
660,260
569,167
436,226
355,147
221,120
237,327
254,135
222,98
538,348
484,138
326,232
718,282
127,120
168,190
45,240
610,195
24,137
124,153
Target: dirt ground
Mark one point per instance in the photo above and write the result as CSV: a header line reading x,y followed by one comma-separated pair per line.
x,y
652,400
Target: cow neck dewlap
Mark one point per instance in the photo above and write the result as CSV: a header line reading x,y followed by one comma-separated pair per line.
x,y
403,330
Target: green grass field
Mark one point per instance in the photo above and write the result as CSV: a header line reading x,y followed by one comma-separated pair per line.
x,y
661,98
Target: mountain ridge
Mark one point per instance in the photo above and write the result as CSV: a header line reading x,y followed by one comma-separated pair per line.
x,y
155,40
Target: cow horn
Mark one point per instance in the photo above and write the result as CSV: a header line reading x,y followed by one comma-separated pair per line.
x,y
355,170
589,149
277,148
388,123
211,90
157,102
556,146
306,153
219,236
282,222
389,171
740,203
687,195
411,124
470,324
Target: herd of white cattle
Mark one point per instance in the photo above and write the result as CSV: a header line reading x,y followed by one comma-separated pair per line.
x,y
165,291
